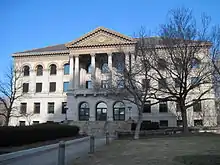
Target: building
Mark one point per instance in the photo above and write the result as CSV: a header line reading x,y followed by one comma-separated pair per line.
x,y
61,75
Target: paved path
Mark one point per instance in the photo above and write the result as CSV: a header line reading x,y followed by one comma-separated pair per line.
x,y
50,157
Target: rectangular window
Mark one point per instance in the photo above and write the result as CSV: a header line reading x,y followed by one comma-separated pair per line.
x,y
51,107
23,108
162,84
88,84
198,123
38,87
121,84
64,107
195,80
197,106
50,122
177,82
147,107
104,83
52,86
35,122
66,69
65,86
163,123
178,107
145,83
25,87
36,108
22,123
179,123
163,106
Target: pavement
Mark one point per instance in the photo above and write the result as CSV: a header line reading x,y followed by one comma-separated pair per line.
x,y
50,157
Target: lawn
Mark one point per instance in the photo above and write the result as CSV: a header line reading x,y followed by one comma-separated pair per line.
x,y
188,150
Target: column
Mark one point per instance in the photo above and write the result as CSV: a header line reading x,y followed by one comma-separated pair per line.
x,y
71,61
110,68
93,68
77,72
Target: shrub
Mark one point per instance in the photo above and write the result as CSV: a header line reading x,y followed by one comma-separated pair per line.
x,y
17,136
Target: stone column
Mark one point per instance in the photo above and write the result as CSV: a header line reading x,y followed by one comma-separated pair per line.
x,y
77,72
110,111
71,61
93,78
110,68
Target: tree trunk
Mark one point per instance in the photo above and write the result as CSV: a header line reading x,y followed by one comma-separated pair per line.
x,y
138,127
184,118
6,121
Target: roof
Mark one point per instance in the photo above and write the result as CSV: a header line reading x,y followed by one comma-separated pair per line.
x,y
45,49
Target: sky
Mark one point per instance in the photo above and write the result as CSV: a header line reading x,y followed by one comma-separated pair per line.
x,y
29,24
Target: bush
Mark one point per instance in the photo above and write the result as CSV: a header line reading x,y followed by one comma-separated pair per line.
x,y
17,136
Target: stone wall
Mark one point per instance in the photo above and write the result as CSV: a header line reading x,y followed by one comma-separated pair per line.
x,y
101,127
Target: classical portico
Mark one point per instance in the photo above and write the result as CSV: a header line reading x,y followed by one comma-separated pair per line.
x,y
93,58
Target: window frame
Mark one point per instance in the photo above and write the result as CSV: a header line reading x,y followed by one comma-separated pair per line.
x,y
25,89
51,89
88,84
23,111
83,112
53,71
49,106
103,115
197,107
26,71
66,84
37,89
37,108
118,116
161,107
147,107
63,110
39,71
66,69
160,123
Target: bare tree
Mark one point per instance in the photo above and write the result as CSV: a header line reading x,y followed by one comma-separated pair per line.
x,y
179,59
27,116
10,91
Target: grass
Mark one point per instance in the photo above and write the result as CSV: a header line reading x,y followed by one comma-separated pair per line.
x,y
201,149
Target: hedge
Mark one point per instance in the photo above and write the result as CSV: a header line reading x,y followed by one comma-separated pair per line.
x,y
17,136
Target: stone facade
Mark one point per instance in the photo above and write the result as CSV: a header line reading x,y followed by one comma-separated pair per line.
x,y
87,56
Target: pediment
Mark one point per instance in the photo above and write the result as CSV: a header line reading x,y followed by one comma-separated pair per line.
x,y
101,37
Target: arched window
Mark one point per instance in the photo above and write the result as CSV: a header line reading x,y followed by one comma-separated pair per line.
x,y
39,70
101,111
104,68
53,69
84,111
119,111
89,68
195,63
26,70
66,69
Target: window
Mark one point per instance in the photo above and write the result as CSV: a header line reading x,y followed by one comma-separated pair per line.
x,y
52,86
84,111
195,63
39,70
36,108
64,107
147,107
119,111
179,123
162,84
66,69
26,70
163,106
161,64
53,69
178,107
35,122
38,87
65,86
22,123
163,123
104,68
197,106
121,84
25,87
104,83
88,84
177,82
195,80
198,123
120,67
50,107
50,122
23,108
101,111
145,83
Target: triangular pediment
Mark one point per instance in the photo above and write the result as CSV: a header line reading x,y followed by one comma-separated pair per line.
x,y
101,37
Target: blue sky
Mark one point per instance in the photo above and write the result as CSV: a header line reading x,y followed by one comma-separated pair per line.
x,y
28,24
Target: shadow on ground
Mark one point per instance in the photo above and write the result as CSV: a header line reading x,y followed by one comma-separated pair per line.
x,y
198,159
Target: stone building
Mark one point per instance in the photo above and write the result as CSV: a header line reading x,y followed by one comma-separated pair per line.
x,y
59,77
